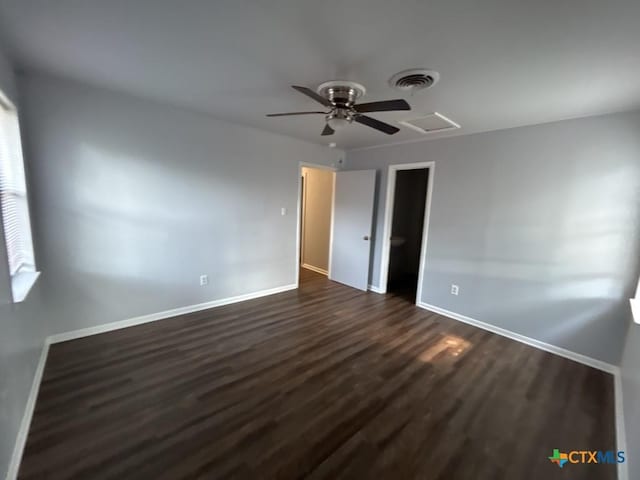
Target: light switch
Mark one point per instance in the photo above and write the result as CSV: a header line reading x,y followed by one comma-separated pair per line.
x,y
283,211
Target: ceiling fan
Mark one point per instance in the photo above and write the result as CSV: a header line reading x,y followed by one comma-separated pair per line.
x,y
340,98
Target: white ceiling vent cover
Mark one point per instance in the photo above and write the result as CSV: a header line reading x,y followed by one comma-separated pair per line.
x,y
414,79
431,123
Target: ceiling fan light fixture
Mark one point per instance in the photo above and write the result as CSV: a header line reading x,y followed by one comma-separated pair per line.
x,y
339,119
338,123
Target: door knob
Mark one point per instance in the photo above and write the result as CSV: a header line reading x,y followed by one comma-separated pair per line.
x,y
366,237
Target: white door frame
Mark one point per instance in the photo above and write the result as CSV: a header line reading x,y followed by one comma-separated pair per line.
x,y
388,217
299,214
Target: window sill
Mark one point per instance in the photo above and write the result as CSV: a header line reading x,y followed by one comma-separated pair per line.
x,y
21,284
635,309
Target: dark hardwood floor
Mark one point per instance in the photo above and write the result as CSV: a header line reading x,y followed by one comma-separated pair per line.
x,y
323,382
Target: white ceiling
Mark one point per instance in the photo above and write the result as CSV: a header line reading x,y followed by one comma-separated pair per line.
x,y
503,63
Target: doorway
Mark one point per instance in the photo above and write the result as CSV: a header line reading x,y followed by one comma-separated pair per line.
x,y
316,200
405,230
335,221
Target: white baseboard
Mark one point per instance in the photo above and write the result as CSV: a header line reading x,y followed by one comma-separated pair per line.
x,y
547,347
108,327
375,289
25,424
315,269
621,436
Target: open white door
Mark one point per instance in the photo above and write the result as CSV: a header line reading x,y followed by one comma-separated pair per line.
x,y
352,219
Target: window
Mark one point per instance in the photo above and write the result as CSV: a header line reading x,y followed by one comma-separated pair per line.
x,y
15,207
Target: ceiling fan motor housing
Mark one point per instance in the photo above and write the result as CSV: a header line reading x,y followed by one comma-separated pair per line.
x,y
341,93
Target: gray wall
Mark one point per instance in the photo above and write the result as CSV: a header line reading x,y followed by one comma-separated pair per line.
x,y
539,226
135,200
630,371
318,193
22,333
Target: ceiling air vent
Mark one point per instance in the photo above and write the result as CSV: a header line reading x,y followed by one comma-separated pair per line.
x,y
434,122
414,79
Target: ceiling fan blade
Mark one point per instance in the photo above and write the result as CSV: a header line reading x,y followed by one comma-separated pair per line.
x,y
384,106
293,113
327,130
377,124
310,93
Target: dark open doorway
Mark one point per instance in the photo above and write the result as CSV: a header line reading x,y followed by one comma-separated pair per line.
x,y
406,232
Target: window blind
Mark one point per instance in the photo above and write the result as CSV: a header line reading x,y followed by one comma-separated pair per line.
x,y
13,193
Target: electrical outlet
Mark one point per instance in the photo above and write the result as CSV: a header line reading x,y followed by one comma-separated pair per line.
x,y
454,289
204,280
283,211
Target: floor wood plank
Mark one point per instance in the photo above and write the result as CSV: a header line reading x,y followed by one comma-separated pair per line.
x,y
323,382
